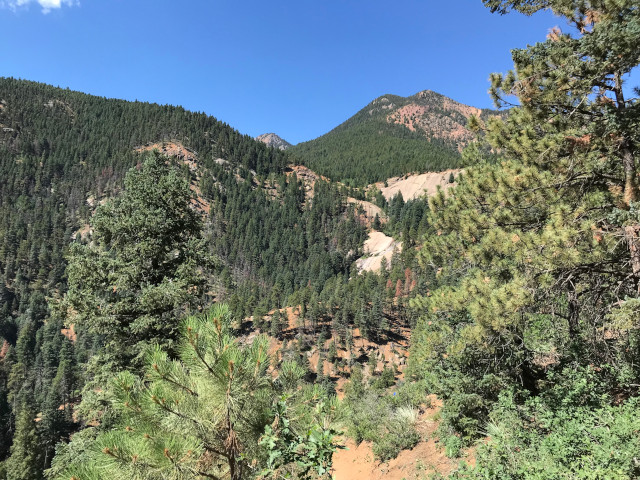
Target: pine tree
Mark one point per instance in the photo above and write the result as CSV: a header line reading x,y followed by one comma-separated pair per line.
x,y
373,363
320,373
201,415
276,324
355,389
527,251
6,415
26,461
145,266
377,224
332,353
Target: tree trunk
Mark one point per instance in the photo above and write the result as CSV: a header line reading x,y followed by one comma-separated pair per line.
x,y
630,183
633,241
573,313
630,188
628,160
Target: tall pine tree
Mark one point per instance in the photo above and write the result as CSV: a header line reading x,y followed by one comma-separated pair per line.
x,y
145,266
537,254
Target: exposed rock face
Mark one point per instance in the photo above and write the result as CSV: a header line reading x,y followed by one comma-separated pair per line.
x,y
378,246
414,186
432,115
308,177
273,140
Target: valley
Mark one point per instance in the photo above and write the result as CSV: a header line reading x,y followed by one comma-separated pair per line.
x,y
282,235
429,290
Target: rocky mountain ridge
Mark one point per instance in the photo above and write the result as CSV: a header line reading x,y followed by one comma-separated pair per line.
x,y
273,140
432,115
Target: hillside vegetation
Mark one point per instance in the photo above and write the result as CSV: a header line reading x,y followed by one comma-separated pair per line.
x,y
64,156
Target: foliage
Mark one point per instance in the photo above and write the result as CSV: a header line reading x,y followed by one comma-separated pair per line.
x,y
367,148
388,421
571,432
526,282
145,265
200,415
61,154
26,460
385,380
531,254
272,246
302,454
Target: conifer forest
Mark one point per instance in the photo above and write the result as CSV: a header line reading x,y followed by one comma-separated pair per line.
x,y
181,301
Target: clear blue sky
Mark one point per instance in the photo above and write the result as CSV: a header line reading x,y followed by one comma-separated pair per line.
x,y
297,68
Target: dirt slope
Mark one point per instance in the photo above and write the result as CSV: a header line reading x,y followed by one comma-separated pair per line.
x,y
413,186
426,458
435,116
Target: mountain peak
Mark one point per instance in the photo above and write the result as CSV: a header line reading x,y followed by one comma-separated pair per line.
x,y
391,136
273,140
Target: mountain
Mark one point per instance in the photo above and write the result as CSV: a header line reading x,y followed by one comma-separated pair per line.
x,y
392,136
62,153
273,140
283,236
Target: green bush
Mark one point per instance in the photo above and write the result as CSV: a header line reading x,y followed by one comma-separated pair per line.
x,y
397,433
385,380
366,415
412,393
572,431
379,419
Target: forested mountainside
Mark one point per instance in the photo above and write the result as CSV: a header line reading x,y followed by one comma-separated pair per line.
x,y
275,239
61,153
180,301
392,136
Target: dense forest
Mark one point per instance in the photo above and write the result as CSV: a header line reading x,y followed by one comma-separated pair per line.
x,y
66,153
178,302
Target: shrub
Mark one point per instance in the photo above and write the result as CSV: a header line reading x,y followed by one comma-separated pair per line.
x,y
397,433
377,419
386,379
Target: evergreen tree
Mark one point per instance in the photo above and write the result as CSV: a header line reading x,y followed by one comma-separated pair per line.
x,y
355,388
320,373
332,353
373,363
145,266
199,416
26,461
377,224
6,416
527,252
276,324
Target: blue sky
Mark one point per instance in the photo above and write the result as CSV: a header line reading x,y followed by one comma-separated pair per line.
x,y
297,68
